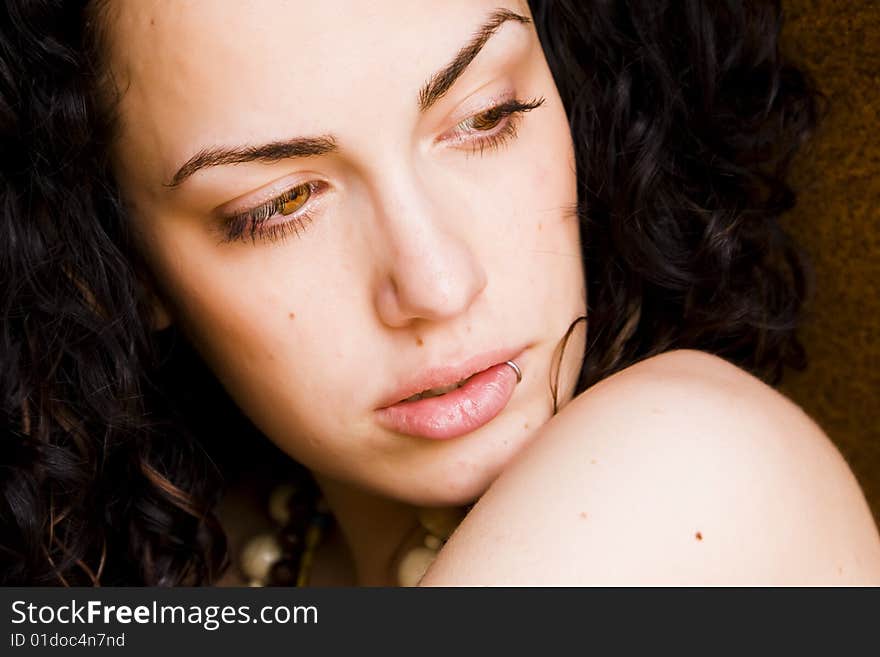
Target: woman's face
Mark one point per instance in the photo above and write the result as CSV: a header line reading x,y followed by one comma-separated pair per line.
x,y
418,229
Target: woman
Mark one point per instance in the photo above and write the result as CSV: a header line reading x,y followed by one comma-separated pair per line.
x,y
341,205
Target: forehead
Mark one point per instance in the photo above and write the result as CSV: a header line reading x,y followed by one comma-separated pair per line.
x,y
200,71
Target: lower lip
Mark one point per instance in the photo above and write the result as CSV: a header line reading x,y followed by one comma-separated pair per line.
x,y
457,412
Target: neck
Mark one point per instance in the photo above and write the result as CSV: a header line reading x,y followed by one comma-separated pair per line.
x,y
376,529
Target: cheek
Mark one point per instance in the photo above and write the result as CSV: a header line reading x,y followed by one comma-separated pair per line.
x,y
552,230
250,314
548,198
555,177
273,351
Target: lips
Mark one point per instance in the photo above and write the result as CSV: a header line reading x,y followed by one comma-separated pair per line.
x,y
436,392
448,375
455,413
448,402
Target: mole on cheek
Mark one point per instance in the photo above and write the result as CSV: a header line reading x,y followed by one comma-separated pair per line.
x,y
420,342
291,315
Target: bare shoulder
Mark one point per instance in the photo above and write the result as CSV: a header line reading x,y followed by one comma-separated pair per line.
x,y
681,469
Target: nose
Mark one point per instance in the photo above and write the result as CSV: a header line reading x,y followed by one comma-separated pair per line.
x,y
431,270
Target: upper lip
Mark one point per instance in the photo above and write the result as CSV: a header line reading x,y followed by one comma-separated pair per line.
x,y
444,375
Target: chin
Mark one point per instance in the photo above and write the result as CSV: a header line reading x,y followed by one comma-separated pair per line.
x,y
465,480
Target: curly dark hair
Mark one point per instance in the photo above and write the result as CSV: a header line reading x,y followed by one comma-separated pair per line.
x,y
685,118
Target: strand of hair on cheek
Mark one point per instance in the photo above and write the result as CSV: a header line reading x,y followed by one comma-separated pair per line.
x,y
554,384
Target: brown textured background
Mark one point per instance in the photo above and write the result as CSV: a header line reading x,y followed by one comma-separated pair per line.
x,y
837,221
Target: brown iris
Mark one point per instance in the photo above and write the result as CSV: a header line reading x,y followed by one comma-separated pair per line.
x,y
298,197
487,120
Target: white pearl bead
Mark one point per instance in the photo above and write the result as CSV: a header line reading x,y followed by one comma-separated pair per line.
x,y
259,554
414,565
279,500
432,542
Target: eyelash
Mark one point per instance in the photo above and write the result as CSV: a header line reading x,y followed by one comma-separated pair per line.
x,y
250,223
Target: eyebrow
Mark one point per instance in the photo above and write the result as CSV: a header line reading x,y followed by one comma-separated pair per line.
x,y
442,81
432,91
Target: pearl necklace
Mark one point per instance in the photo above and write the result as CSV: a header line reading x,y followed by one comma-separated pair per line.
x,y
284,557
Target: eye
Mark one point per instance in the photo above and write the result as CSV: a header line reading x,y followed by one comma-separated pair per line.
x,y
492,127
255,223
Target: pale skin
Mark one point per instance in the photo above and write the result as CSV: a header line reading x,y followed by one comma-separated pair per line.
x,y
427,246
679,470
